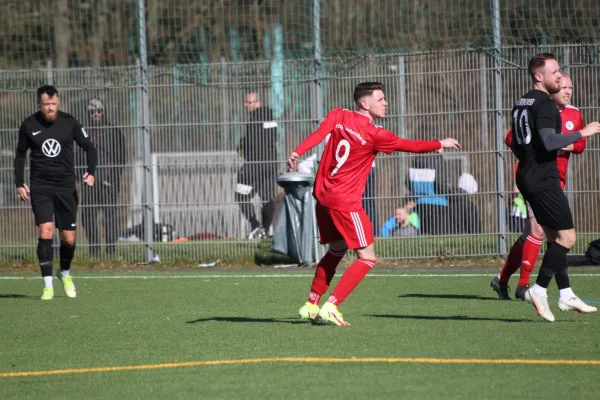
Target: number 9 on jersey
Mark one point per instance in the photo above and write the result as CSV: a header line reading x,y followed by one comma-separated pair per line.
x,y
343,146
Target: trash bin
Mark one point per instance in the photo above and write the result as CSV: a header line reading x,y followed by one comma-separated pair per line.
x,y
295,228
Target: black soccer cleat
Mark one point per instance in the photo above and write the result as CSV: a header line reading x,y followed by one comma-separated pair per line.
x,y
500,288
520,292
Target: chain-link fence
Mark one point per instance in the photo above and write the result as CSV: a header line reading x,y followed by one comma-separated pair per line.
x,y
169,139
196,122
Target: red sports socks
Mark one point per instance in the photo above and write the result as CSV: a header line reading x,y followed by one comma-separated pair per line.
x,y
351,278
324,274
531,251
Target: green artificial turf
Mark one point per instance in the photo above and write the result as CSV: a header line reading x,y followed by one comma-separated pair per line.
x,y
190,316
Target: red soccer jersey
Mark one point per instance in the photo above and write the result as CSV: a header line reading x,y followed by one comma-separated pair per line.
x,y
349,154
572,121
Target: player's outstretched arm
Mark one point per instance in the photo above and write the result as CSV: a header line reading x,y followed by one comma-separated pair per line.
x,y
553,141
579,146
315,138
591,129
450,143
387,142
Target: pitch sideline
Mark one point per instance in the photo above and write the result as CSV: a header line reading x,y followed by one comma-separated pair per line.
x,y
290,275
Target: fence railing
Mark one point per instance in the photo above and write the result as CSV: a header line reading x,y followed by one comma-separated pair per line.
x,y
181,127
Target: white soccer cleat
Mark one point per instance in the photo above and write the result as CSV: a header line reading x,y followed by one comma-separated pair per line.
x,y
541,305
575,303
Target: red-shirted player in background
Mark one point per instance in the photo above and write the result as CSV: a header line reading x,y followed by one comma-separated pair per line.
x,y
526,249
345,165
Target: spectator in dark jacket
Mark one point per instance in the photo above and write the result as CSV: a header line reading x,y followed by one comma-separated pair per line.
x,y
103,196
259,173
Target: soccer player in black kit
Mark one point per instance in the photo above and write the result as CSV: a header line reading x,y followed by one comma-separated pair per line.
x,y
50,133
536,127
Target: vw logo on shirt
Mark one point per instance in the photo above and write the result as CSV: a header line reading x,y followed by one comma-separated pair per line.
x,y
51,148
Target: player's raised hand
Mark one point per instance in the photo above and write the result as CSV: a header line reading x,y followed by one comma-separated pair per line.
x,y
450,143
89,179
23,192
590,129
292,161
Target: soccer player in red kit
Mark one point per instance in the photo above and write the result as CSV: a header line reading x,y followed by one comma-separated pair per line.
x,y
526,249
345,165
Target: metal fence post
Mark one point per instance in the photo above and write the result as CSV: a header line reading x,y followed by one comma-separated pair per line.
x,y
402,117
49,72
226,102
277,96
499,129
402,97
147,194
177,107
317,92
569,187
483,84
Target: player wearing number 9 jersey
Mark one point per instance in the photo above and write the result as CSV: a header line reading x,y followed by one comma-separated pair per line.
x,y
345,165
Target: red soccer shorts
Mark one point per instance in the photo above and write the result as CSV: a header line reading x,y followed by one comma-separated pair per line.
x,y
353,227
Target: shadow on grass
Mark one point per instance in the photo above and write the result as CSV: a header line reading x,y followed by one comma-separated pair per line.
x,y
16,296
452,318
293,321
448,296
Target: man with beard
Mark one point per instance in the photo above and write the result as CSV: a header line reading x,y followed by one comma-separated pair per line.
x,y
536,140
526,249
50,134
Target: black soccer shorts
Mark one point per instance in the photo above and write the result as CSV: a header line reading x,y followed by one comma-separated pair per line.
x,y
551,208
55,205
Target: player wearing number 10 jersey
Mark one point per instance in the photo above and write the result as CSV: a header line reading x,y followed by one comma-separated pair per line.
x,y
345,165
524,252
536,140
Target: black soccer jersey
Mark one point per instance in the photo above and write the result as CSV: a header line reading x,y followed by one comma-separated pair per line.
x,y
260,142
52,156
537,166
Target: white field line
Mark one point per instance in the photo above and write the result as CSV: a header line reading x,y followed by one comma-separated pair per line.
x,y
266,276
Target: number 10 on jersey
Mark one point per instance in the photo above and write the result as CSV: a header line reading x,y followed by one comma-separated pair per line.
x,y
341,155
521,126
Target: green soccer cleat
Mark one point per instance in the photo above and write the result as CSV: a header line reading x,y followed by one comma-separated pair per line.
x,y
47,294
309,312
330,313
68,284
